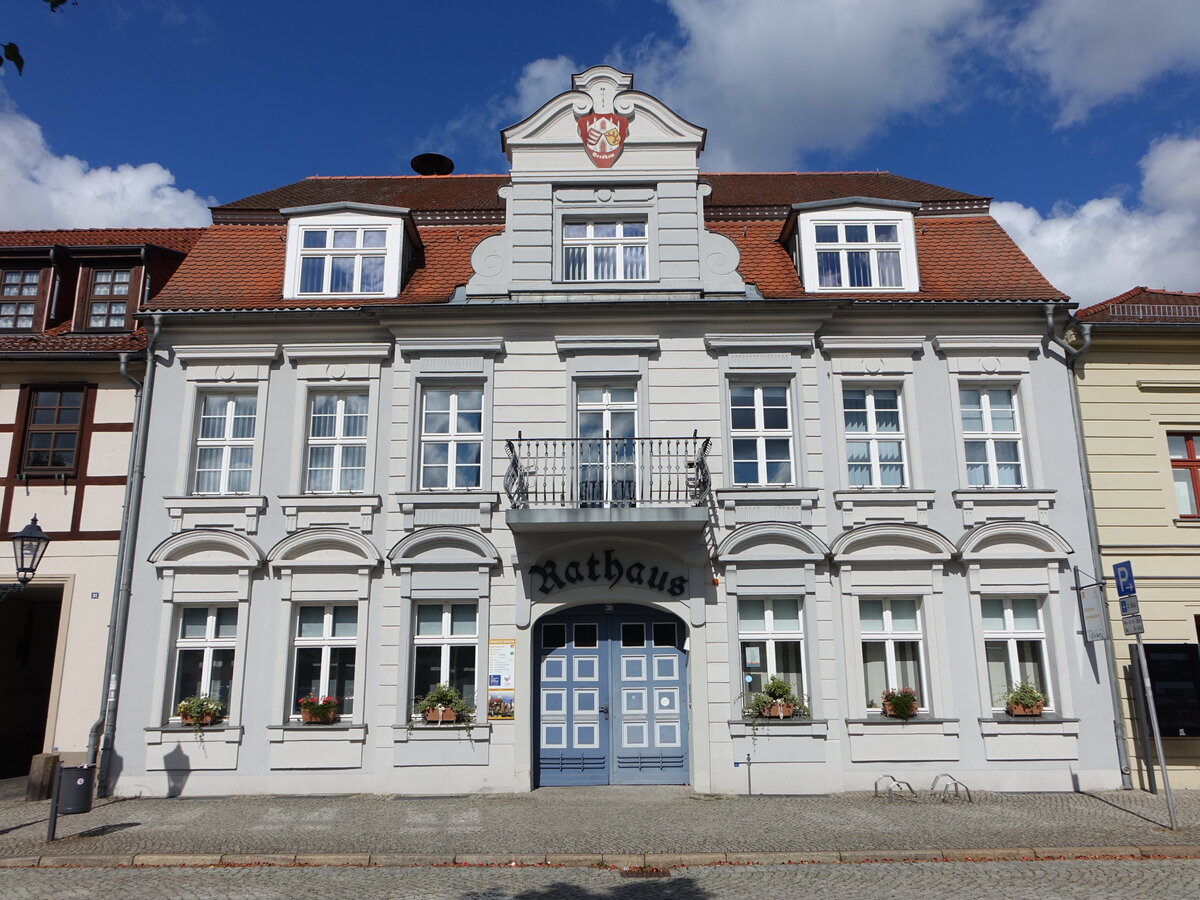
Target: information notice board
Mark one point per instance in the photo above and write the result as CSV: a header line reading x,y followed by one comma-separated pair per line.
x,y
501,696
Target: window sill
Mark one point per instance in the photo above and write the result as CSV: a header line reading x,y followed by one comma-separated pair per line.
x,y
414,731
1002,723
1187,522
793,727
921,723
749,504
187,734
471,508
354,511
237,511
298,731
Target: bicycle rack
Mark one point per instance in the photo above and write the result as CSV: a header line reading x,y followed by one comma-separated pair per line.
x,y
950,783
894,785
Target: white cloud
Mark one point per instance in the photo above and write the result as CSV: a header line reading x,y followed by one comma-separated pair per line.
x,y
773,79
1092,51
44,190
1104,247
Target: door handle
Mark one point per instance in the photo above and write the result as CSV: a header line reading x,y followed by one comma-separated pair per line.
x,y
604,709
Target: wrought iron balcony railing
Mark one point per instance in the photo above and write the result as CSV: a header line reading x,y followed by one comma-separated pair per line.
x,y
607,472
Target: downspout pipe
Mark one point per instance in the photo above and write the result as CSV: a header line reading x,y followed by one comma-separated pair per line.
x,y
1073,355
100,740
55,266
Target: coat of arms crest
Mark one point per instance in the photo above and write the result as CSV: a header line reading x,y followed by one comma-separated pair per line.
x,y
603,136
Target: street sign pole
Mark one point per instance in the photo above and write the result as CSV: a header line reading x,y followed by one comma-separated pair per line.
x,y
1094,611
1152,715
1132,622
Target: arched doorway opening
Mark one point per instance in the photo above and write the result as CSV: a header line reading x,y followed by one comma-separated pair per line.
x,y
612,696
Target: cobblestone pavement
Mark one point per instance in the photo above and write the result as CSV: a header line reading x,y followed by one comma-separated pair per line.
x,y
1095,880
613,820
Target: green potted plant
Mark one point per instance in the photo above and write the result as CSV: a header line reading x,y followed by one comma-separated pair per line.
x,y
1024,699
776,700
444,704
199,710
316,710
900,703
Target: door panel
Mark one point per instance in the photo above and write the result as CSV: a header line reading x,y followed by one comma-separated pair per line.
x,y
612,697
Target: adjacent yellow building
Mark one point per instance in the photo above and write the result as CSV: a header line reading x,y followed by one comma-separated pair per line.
x,y
1139,398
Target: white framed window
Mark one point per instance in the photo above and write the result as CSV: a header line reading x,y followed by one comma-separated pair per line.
x,y
445,647
337,441
108,303
991,429
771,635
451,438
17,283
324,649
858,254
875,452
761,432
204,650
343,259
607,417
605,250
892,647
225,443
1014,642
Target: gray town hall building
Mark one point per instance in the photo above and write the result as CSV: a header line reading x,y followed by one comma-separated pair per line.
x,y
606,443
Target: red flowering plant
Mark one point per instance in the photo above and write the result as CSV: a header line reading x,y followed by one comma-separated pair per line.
x,y
901,703
317,709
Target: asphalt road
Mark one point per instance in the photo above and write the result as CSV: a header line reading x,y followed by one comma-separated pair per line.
x,y
1093,879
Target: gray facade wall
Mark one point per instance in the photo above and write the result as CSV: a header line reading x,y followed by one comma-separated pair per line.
x,y
267,552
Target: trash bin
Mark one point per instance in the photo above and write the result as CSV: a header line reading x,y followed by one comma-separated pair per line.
x,y
75,785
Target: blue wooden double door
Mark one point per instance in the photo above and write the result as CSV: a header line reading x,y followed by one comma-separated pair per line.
x,y
612,697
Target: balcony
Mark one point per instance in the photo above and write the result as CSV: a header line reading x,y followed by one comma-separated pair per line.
x,y
648,483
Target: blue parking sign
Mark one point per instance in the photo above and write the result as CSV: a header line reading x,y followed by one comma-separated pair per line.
x,y
1123,572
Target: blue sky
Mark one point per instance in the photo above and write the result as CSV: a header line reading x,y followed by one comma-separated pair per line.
x,y
1081,117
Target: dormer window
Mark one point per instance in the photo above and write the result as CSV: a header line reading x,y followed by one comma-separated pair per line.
x,y
858,254
16,312
348,249
108,300
604,250
342,260
855,244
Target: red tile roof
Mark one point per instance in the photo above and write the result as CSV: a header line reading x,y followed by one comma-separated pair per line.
x,y
477,193
181,239
60,339
966,256
1144,306
781,189
960,258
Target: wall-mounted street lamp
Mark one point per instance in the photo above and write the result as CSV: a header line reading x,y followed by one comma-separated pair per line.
x,y
29,546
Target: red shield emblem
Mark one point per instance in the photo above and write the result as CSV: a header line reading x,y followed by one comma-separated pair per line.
x,y
603,136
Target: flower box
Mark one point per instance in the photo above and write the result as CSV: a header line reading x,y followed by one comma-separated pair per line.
x,y
1017,709
439,715
318,716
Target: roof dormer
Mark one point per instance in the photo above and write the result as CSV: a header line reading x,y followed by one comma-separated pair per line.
x,y
854,245
348,250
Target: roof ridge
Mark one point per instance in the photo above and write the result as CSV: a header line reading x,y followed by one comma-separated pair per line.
x,y
437,177
106,230
1089,311
813,172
